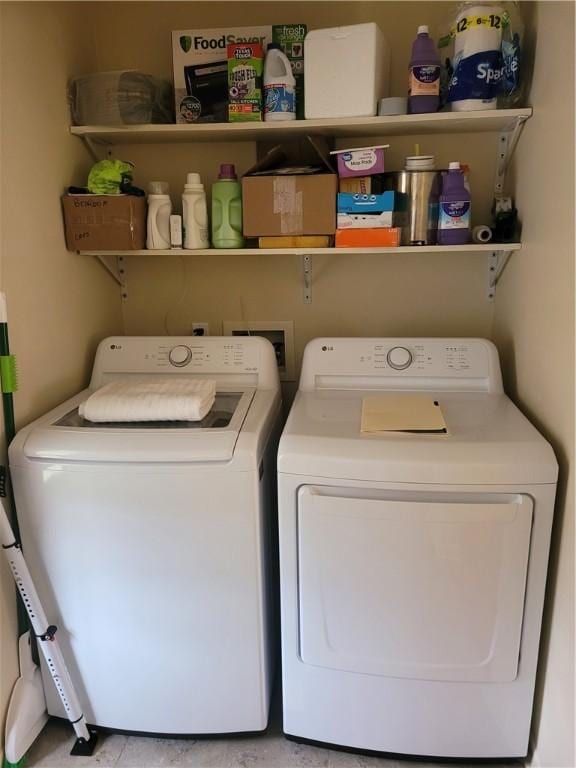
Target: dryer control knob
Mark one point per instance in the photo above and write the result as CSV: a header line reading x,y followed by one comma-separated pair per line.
x,y
399,358
180,355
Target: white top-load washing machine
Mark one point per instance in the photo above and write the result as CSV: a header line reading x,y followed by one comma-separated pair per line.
x,y
150,542
412,566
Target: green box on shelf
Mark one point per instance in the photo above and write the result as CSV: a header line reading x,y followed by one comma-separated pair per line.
x,y
290,37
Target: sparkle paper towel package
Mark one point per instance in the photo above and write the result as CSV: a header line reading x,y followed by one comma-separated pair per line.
x,y
482,50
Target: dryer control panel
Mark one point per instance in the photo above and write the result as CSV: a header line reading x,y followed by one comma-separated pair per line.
x,y
401,363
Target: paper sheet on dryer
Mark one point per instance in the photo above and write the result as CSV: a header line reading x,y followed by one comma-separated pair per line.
x,y
392,412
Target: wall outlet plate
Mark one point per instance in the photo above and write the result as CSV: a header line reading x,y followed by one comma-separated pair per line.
x,y
200,329
280,333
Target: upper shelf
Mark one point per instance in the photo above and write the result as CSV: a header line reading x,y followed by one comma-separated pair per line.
x,y
439,122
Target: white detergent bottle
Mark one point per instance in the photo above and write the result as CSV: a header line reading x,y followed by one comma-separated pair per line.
x,y
159,211
279,86
195,213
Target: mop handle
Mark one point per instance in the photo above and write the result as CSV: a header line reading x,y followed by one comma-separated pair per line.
x,y
45,634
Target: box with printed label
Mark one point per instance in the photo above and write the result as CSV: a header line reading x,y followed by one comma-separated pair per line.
x,y
362,204
245,62
365,221
290,38
200,64
361,161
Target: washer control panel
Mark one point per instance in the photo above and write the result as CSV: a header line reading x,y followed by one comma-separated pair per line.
x,y
413,362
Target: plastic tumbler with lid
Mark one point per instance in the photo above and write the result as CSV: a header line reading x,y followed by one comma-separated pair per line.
x,y
227,209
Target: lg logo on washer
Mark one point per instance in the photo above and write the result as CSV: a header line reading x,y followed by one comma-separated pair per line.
x,y
115,346
327,349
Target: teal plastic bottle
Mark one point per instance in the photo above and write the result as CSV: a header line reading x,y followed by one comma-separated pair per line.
x,y
227,209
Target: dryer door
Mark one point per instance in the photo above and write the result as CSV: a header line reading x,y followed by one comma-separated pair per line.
x,y
425,586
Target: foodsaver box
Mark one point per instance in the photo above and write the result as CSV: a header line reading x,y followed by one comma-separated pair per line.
x,y
200,63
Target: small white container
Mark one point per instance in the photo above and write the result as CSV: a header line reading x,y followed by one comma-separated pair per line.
x,y
195,213
159,211
347,71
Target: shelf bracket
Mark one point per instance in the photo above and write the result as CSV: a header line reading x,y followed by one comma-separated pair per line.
x,y
307,278
118,273
497,261
507,140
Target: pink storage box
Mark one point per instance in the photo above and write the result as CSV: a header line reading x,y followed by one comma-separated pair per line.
x,y
360,161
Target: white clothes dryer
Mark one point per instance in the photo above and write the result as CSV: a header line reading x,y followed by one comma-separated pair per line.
x,y
150,542
412,566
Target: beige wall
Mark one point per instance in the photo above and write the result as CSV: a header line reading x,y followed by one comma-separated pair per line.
x,y
372,295
534,329
59,304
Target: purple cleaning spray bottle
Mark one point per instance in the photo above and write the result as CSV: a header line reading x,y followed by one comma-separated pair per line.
x,y
454,218
424,75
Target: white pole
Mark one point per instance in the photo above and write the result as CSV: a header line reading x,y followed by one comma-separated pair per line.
x,y
46,636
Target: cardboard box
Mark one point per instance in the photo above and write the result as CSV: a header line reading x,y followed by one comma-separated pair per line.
x,y
289,205
245,64
362,185
277,200
290,38
362,161
200,64
104,222
387,237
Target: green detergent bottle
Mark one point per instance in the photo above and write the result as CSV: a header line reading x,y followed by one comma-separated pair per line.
x,y
227,209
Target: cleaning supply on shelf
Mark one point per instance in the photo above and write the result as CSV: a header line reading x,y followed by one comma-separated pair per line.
x,y
290,38
424,75
279,86
454,219
175,231
159,211
195,213
245,63
227,209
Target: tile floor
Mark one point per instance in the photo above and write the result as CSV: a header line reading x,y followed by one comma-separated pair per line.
x,y
270,750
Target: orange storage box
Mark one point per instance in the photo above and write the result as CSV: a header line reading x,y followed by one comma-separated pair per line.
x,y
384,237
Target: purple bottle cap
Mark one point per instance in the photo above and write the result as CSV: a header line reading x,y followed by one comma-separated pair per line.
x,y
227,171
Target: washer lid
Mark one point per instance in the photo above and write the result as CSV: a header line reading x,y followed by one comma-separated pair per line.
x,y
66,436
489,442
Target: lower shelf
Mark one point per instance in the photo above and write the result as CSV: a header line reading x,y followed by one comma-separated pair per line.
x,y
470,248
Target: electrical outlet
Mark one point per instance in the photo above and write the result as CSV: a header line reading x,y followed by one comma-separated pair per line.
x,y
280,333
200,329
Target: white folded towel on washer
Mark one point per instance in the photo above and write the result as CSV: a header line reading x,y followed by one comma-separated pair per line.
x,y
162,399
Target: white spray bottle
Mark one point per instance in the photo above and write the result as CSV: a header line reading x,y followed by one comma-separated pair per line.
x,y
159,210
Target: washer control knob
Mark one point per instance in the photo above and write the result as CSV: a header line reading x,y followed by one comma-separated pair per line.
x,y
180,355
399,358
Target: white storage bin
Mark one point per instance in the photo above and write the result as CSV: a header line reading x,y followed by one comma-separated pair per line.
x,y
346,72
